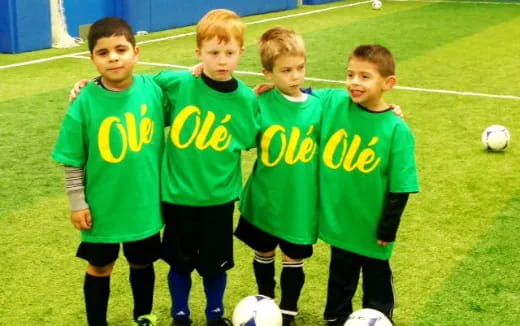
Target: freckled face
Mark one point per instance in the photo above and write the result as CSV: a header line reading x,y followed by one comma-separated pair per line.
x,y
219,59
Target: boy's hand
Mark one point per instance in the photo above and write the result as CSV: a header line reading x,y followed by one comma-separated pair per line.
x,y
262,88
397,110
82,220
197,69
383,243
74,92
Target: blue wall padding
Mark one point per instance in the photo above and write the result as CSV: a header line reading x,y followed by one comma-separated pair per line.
x,y
156,15
25,25
317,2
84,12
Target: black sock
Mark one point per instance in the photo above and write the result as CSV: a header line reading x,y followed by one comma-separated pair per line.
x,y
264,274
291,282
96,291
142,281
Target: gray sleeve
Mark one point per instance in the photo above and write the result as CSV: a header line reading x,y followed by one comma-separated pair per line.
x,y
75,188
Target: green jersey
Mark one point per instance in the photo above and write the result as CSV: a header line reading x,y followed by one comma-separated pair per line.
x,y
117,138
364,156
209,129
281,195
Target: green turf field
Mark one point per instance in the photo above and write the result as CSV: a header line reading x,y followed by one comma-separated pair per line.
x,y
457,259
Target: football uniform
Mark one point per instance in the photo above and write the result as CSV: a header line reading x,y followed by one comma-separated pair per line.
x,y
370,154
117,138
209,129
280,197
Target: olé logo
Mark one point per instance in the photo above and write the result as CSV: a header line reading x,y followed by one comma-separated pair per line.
x,y
293,148
351,156
201,135
131,135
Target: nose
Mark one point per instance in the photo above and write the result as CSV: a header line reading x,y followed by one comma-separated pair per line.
x,y
354,80
222,60
113,56
295,74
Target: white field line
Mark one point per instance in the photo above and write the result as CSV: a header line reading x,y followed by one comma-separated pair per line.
x,y
79,55
317,11
331,81
463,2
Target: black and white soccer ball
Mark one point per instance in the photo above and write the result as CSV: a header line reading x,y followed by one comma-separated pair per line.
x,y
496,138
377,4
367,317
257,310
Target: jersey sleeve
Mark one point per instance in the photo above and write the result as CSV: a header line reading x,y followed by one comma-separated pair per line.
x,y
170,82
403,168
71,145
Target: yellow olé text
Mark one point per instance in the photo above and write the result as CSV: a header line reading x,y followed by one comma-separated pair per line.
x,y
292,150
131,136
219,139
351,155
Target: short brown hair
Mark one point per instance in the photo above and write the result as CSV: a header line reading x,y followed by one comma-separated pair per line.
x,y
221,23
107,27
278,41
378,55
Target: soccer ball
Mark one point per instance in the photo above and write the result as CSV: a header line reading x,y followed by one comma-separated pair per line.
x,y
377,4
367,317
257,310
496,138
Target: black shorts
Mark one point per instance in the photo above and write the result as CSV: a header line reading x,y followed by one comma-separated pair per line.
x,y
262,241
197,237
141,252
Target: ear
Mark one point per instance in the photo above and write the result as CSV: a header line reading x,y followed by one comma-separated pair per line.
x,y
197,52
390,82
268,74
137,52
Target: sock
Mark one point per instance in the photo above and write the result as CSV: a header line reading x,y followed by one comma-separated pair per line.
x,y
142,281
96,291
214,288
264,274
291,282
180,287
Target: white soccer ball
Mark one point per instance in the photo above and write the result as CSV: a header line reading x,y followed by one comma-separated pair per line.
x,y
257,310
377,4
496,138
367,317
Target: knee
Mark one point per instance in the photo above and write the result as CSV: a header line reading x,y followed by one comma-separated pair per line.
x,y
287,259
100,271
266,254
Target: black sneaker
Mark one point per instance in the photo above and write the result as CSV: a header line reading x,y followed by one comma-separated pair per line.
x,y
181,322
219,322
287,320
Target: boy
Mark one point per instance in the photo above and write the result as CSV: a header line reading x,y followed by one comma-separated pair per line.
x,y
213,120
279,201
369,149
111,143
